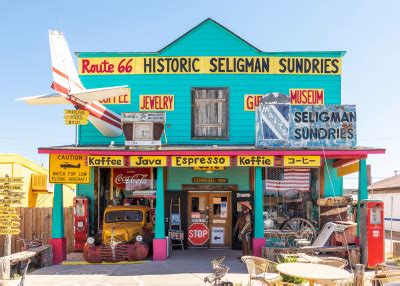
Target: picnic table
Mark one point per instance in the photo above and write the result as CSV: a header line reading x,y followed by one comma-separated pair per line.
x,y
313,272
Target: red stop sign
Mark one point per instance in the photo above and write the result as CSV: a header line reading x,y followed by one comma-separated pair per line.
x,y
198,233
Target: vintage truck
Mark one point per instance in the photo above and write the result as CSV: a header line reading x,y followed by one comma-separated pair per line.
x,y
127,235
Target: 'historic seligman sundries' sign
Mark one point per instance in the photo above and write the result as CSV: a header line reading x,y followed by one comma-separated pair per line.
x,y
305,125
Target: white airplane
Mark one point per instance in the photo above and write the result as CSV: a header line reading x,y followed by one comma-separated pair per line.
x,y
70,90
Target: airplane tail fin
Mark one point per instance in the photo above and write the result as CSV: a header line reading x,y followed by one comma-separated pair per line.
x,y
65,75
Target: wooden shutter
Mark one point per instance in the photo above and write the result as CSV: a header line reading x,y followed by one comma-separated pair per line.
x,y
210,113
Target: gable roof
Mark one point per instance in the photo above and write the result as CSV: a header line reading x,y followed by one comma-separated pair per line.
x,y
204,22
389,183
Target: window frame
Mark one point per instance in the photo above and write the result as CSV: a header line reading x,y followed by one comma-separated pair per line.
x,y
225,137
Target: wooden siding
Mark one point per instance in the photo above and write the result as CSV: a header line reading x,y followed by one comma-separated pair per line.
x,y
36,223
207,39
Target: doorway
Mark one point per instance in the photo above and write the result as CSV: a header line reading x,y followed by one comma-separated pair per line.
x,y
214,210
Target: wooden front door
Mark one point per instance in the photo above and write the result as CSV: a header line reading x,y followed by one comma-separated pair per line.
x,y
214,211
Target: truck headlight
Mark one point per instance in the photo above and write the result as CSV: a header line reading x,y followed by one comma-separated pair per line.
x,y
139,238
90,240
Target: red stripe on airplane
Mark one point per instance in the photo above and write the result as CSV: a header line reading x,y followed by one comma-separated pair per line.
x,y
60,88
101,108
57,71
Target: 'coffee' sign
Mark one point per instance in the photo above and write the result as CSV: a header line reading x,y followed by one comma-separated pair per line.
x,y
156,102
148,161
194,161
106,161
255,161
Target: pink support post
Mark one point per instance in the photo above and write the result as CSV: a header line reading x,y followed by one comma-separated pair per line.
x,y
159,249
59,246
258,244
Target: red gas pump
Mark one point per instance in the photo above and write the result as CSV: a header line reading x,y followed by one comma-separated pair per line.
x,y
81,222
372,233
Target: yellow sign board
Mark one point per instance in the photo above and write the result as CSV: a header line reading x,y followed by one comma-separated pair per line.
x,y
76,121
306,96
9,217
12,186
11,179
209,168
210,65
121,99
70,112
348,169
255,161
301,161
251,101
75,117
105,161
148,161
156,102
69,169
200,161
5,231
10,223
7,210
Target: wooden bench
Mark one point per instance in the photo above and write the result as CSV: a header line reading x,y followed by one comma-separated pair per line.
x,y
45,252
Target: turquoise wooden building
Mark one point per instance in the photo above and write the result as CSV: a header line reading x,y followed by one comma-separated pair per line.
x,y
208,83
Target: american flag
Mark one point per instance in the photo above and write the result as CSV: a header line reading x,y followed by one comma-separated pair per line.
x,y
287,180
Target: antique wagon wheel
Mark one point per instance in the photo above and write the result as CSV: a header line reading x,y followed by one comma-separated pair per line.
x,y
302,228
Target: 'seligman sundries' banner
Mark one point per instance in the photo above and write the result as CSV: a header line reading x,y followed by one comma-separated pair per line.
x,y
306,125
210,65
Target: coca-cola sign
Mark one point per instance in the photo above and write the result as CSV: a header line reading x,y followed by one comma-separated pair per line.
x,y
132,179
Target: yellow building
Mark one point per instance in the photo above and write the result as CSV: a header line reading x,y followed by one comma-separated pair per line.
x,y
38,192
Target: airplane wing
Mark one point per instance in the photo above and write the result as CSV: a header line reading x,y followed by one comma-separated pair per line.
x,y
54,98
96,94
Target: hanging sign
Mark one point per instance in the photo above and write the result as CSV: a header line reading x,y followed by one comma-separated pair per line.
x,y
194,161
156,102
148,161
9,223
286,125
251,101
75,117
209,168
176,234
209,180
301,161
131,179
121,99
68,169
11,179
11,186
209,65
306,96
5,231
105,161
255,161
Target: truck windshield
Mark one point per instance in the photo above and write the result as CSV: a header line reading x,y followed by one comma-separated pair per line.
x,y
124,216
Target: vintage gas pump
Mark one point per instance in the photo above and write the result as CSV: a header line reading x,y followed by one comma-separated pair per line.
x,y
372,233
81,222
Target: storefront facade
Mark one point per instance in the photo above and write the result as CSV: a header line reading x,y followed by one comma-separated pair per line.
x,y
208,84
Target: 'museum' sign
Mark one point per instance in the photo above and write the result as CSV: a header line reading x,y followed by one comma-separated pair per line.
x,y
306,125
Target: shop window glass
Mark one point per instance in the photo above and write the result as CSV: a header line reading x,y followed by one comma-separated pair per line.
x,y
289,193
210,113
124,216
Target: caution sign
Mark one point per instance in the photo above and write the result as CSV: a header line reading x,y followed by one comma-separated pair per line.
x,y
68,169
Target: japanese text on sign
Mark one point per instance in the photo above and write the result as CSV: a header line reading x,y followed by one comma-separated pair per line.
x,y
210,65
193,161
301,161
69,168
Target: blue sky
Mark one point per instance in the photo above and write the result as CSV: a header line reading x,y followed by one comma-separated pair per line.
x,y
367,30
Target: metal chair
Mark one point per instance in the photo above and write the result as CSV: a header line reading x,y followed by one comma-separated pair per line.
x,y
261,269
